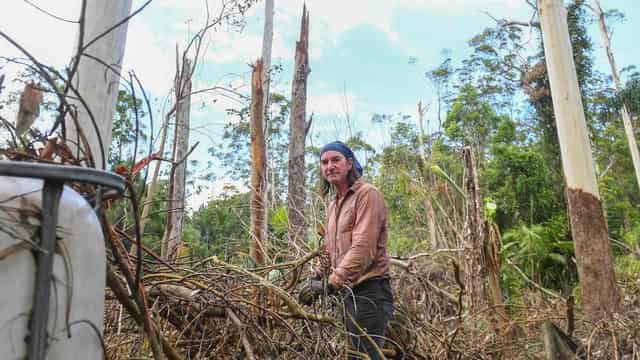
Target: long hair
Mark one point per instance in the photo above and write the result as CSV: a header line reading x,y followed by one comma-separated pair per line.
x,y
326,187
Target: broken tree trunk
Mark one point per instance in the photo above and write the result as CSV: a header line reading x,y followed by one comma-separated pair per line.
x,y
430,213
258,235
475,237
481,254
179,166
626,118
421,135
96,83
267,45
297,135
588,224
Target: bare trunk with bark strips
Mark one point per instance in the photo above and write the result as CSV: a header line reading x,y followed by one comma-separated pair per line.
x,y
258,236
588,225
179,167
297,134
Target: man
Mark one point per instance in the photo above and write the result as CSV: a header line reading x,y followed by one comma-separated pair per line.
x,y
356,240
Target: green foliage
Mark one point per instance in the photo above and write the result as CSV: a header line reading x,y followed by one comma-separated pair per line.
x,y
154,228
520,181
627,267
471,121
222,225
630,95
400,168
543,252
124,128
632,238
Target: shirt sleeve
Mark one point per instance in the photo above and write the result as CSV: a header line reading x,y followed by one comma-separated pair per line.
x,y
369,220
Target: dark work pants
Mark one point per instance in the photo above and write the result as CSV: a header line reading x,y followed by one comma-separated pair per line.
x,y
372,310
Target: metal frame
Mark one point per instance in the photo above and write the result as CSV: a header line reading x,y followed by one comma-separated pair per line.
x,y
54,177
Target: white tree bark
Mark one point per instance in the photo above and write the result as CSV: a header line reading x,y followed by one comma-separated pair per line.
x,y
626,119
97,84
588,225
183,106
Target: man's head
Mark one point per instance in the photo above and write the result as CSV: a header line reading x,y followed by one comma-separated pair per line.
x,y
338,166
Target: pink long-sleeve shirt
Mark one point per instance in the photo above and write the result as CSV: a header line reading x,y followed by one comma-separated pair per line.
x,y
356,236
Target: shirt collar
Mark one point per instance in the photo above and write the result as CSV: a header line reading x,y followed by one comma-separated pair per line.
x,y
353,188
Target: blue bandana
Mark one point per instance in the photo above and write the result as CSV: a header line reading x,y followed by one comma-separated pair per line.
x,y
343,149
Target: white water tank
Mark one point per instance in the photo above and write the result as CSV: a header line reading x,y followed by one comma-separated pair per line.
x,y
77,293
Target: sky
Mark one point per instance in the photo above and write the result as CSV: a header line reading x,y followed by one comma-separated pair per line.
x,y
359,54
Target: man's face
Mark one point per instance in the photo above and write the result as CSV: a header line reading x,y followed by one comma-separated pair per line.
x,y
335,167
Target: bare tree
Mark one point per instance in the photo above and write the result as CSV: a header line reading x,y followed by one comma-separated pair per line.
x,y
475,236
258,236
421,134
229,12
267,44
173,230
588,224
626,118
98,64
297,134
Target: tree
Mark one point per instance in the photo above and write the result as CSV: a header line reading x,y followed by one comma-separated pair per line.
x,y
97,79
471,121
588,225
298,127
178,175
440,78
222,224
267,45
519,179
258,165
626,118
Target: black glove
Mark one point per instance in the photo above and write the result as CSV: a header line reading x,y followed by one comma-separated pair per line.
x,y
314,289
310,292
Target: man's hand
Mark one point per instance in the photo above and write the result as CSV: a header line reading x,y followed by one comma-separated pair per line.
x,y
312,290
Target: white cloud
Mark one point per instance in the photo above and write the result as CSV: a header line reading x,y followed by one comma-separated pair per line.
x,y
332,17
234,47
213,191
150,55
51,41
332,104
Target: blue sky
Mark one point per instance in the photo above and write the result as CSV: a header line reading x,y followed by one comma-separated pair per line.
x,y
360,52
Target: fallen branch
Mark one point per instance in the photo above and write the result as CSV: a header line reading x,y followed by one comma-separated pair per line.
x,y
243,336
294,307
123,297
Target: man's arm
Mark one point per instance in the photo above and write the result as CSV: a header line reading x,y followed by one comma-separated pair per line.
x,y
370,210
